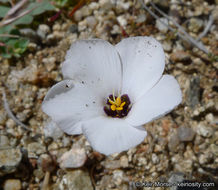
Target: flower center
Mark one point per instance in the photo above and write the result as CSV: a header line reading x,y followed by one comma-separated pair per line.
x,y
117,106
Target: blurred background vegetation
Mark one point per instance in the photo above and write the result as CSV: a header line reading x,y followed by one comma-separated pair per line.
x,y
15,15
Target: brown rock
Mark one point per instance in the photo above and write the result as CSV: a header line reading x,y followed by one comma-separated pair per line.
x,y
180,56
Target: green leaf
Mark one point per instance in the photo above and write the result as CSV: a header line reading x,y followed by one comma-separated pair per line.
x,y
4,1
6,29
14,47
15,31
21,44
36,9
27,19
3,53
3,11
41,7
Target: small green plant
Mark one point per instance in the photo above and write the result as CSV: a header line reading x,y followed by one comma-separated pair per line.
x,y
11,17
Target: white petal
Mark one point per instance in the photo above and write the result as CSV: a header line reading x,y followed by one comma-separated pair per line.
x,y
70,108
94,62
158,101
110,135
59,88
143,62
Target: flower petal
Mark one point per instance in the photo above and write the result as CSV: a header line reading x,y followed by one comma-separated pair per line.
x,y
143,62
69,108
94,62
59,88
158,101
110,135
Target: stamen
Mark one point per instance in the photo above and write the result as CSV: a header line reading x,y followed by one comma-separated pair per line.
x,y
114,97
122,104
118,106
118,101
111,102
113,107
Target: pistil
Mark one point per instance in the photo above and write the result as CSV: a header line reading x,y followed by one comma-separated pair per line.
x,y
117,106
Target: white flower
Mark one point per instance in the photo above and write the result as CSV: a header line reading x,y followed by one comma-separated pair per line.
x,y
109,92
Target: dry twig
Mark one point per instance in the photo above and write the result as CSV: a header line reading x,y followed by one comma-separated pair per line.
x,y
207,28
16,8
10,20
9,36
9,112
15,13
180,32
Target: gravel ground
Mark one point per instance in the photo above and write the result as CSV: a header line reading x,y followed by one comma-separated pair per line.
x,y
180,147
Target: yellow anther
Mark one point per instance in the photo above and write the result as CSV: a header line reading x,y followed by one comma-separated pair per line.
x,y
118,101
122,104
111,102
119,108
113,107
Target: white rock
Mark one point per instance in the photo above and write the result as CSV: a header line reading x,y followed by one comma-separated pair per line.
x,y
56,27
118,177
160,26
52,130
78,15
124,161
155,159
76,180
106,4
82,25
43,30
210,118
124,5
35,149
10,123
203,159
142,161
122,20
74,158
204,130
91,21
116,29
49,63
93,6
141,18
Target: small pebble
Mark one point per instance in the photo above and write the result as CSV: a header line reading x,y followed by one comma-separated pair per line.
x,y
204,130
43,30
180,56
162,27
9,160
76,180
185,134
195,25
35,149
12,184
74,158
